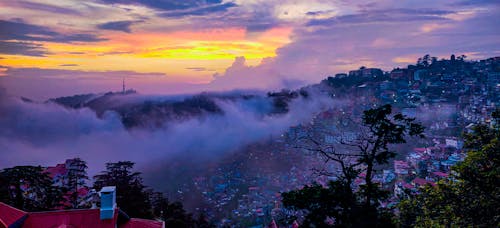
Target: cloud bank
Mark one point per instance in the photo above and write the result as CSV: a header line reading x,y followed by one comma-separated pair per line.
x,y
46,133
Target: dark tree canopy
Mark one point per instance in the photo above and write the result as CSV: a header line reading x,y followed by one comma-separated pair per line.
x,y
174,214
77,176
321,204
339,204
383,130
29,188
131,196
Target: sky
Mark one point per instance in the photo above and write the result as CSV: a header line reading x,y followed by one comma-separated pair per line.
x,y
51,48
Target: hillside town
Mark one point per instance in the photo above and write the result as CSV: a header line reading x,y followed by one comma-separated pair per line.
x,y
448,96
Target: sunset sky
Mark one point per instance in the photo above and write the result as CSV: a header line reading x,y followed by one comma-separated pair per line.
x,y
52,48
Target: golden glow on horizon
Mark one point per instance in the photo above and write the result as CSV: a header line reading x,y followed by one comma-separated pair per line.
x,y
2,71
190,55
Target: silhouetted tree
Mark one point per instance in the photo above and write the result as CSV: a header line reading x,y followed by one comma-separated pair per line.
x,y
77,175
373,145
131,196
379,129
461,58
323,205
174,214
29,188
426,60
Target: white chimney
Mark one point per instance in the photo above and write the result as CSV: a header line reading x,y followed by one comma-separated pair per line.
x,y
108,202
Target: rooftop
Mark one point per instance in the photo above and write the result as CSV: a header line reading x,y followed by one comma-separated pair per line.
x,y
13,217
10,215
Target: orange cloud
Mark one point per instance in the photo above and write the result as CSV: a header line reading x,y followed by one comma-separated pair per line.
x,y
408,59
170,53
426,28
3,71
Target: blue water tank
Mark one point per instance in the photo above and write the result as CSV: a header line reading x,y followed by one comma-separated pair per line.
x,y
108,202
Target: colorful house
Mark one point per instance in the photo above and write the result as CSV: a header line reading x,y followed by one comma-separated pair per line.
x,y
108,216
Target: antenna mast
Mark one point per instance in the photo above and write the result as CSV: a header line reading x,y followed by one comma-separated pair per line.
x,y
123,86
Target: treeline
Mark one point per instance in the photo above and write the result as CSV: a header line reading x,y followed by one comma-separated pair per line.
x,y
470,198
30,188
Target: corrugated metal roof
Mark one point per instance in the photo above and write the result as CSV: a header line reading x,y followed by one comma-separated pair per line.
x,y
10,215
69,218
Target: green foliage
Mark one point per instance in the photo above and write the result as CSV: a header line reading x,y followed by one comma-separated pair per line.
x,y
429,208
472,198
28,188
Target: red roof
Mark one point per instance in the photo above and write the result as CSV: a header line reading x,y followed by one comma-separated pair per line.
x,y
358,181
9,215
273,224
69,218
59,169
419,150
421,182
440,174
83,191
401,164
408,186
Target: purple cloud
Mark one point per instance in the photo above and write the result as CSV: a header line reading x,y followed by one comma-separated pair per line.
x,y
22,48
386,15
174,8
123,26
200,11
18,30
41,7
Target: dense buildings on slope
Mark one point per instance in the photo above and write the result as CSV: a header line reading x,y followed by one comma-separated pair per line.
x,y
470,87
447,96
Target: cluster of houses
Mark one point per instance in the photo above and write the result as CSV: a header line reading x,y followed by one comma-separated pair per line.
x,y
447,96
60,174
426,166
88,214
